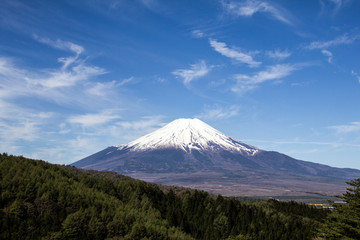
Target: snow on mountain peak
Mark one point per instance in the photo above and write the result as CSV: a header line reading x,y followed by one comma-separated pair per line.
x,y
188,134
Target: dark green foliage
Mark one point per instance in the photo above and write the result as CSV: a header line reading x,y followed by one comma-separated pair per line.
x,y
41,200
56,202
344,221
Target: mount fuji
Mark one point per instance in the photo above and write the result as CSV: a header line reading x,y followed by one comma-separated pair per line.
x,y
190,153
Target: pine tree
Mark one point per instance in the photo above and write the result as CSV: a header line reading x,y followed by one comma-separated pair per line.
x,y
344,222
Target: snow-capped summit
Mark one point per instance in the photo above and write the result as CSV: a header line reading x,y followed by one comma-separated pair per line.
x,y
188,134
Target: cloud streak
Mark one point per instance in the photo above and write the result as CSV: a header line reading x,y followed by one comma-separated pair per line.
x,y
144,123
246,83
349,128
18,125
341,40
196,71
59,44
91,120
68,78
217,112
134,129
222,48
356,75
328,54
103,89
249,7
331,6
197,34
278,54
72,71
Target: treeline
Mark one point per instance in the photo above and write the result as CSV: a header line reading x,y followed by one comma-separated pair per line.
x,y
45,201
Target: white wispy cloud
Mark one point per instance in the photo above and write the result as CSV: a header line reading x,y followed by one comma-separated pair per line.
x,y
278,54
26,130
197,34
356,75
11,79
348,128
250,7
218,112
67,78
131,130
81,142
332,6
44,84
344,39
68,84
73,69
19,124
60,44
64,76
90,120
17,81
125,81
327,54
71,84
196,71
30,82
144,123
246,83
222,48
104,89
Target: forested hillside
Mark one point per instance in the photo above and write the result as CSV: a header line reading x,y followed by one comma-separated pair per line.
x,y
42,200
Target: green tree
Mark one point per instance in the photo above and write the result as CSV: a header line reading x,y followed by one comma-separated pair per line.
x,y
75,226
344,222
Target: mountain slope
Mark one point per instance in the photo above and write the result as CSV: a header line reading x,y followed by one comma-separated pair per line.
x,y
190,153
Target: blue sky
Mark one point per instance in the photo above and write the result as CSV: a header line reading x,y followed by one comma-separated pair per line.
x,y
78,76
